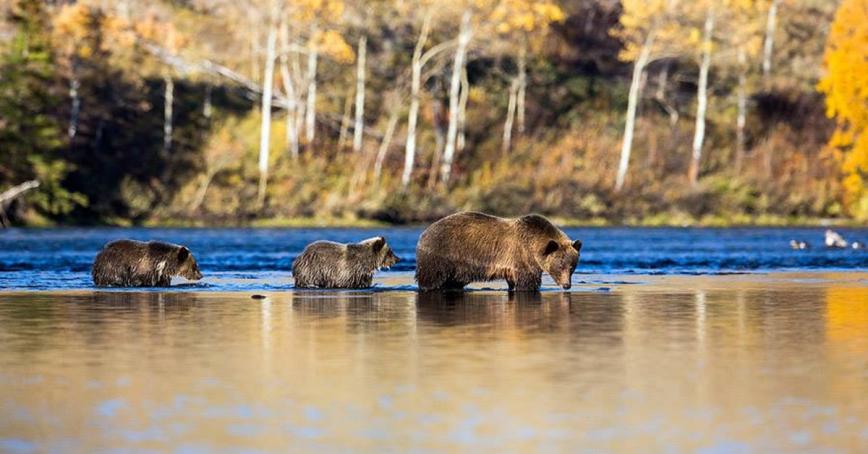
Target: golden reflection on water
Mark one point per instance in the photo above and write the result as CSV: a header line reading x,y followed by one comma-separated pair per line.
x,y
718,367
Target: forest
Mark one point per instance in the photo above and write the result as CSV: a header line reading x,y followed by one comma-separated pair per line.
x,y
333,112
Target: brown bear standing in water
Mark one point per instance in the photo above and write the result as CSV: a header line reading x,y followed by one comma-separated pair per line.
x,y
467,247
325,264
129,263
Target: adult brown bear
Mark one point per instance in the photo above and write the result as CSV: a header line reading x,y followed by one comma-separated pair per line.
x,y
468,247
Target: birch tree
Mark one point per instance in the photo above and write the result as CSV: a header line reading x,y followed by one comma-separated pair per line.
x,y
742,35
702,95
359,125
71,28
158,28
769,42
267,93
464,35
525,22
420,58
641,23
415,89
290,89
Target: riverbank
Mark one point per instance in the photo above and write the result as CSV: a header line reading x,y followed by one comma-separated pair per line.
x,y
662,220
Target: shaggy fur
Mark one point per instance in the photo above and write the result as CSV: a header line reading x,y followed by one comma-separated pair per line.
x,y
325,264
468,247
128,263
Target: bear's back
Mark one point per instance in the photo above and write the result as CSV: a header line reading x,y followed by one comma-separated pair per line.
x,y
319,264
481,228
477,240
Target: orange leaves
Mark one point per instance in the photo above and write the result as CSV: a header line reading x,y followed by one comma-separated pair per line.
x,y
846,88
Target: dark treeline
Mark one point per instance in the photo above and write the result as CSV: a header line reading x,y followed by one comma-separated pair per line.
x,y
212,112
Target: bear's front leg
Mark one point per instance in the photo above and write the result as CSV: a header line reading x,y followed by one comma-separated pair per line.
x,y
526,283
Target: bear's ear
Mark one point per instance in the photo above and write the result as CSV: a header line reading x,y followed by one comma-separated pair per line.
x,y
577,245
378,243
183,253
551,246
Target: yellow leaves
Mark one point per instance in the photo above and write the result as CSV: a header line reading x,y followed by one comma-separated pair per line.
x,y
318,10
72,28
525,15
161,32
331,43
73,22
81,30
846,88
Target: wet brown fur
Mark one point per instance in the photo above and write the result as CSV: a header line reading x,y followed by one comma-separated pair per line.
x,y
470,247
129,263
326,264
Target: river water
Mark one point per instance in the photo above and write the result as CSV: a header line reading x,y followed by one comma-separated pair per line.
x,y
251,259
678,357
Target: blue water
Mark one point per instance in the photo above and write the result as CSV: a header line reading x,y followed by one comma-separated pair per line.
x,y
261,258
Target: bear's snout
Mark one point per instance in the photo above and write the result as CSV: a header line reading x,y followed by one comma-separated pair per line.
x,y
567,286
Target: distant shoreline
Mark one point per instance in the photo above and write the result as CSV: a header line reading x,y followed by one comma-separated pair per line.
x,y
661,221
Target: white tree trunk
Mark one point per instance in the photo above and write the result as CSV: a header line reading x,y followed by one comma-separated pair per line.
x,y
267,93
413,115
522,87
310,111
359,127
741,118
462,110
632,106
510,116
345,123
291,92
454,92
701,98
300,106
75,109
168,104
207,106
387,141
769,44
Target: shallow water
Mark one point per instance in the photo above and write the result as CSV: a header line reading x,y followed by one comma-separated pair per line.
x,y
251,259
758,363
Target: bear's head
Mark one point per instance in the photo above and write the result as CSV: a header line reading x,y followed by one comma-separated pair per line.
x,y
559,260
385,258
187,266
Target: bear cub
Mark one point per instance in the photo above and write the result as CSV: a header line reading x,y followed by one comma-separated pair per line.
x,y
469,247
129,263
326,264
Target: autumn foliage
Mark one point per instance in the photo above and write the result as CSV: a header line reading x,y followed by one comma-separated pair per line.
x,y
266,111
846,87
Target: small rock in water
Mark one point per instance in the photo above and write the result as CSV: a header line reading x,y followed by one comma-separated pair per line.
x,y
258,297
